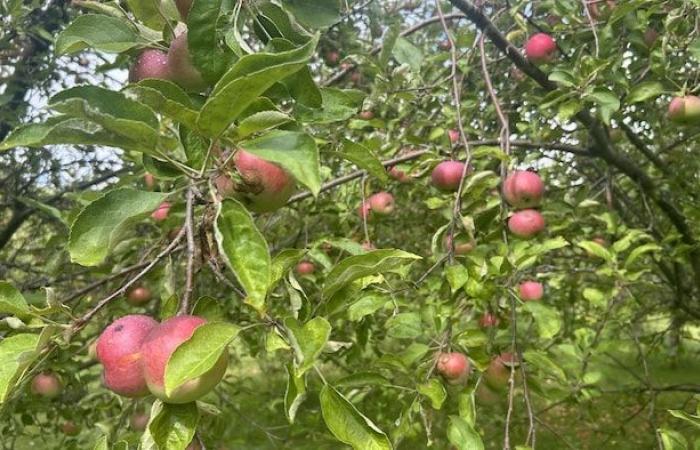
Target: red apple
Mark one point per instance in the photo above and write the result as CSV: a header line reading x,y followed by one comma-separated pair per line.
x,y
162,212
138,421
47,385
332,57
149,180
157,348
382,203
399,175
454,367
531,291
444,45
489,320
368,246
151,63
684,110
69,428
356,77
119,351
463,245
138,296
366,115
183,7
453,134
497,373
523,189
540,48
447,175
526,223
650,37
182,70
305,268
265,186
364,210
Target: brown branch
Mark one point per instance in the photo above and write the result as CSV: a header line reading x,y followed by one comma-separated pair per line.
x,y
189,232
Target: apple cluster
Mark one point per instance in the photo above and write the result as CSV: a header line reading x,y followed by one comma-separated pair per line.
x,y
134,351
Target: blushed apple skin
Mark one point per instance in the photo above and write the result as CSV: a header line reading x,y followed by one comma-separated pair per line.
x,y
305,268
157,348
526,223
46,385
162,212
489,320
523,189
382,203
138,296
447,175
462,244
454,367
364,210
685,110
531,291
265,186
151,63
540,48
497,373
119,351
182,70
138,421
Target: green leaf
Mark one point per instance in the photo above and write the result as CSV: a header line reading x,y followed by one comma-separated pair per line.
x,y
283,262
645,91
607,102
338,105
360,266
314,13
694,420
261,121
245,251
130,119
541,361
301,85
198,354
210,58
167,98
307,340
407,53
295,394
672,440
348,424
102,443
457,275
467,407
172,426
16,353
434,391
563,78
361,379
365,306
365,159
639,252
147,11
596,249
462,435
104,33
388,42
547,319
102,223
404,326
249,78
295,152
12,301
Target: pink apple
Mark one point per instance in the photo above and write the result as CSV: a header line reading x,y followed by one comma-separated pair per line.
x,y
447,175
399,175
685,110
161,213
138,296
463,244
305,268
453,134
157,348
497,374
182,69
47,385
366,115
382,203
119,351
139,421
489,320
364,210
265,186
540,48
526,223
149,180
523,189
151,63
531,291
454,367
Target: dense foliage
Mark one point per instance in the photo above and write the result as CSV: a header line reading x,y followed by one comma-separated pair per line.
x,y
402,224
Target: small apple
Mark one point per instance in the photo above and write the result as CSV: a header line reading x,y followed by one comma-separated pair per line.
x,y
182,69
332,58
454,367
162,212
366,115
368,246
489,320
540,48
151,63
463,244
356,77
265,186
498,371
531,291
453,134
138,296
600,241
444,45
399,175
138,421
47,385
69,428
382,203
685,110
526,223
364,210
650,37
523,189
119,351
447,175
149,180
305,268
159,345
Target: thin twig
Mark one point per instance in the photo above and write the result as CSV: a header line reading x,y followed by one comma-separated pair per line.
x,y
189,232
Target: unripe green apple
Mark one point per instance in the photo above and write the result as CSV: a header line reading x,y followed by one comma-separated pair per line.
x,y
157,348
